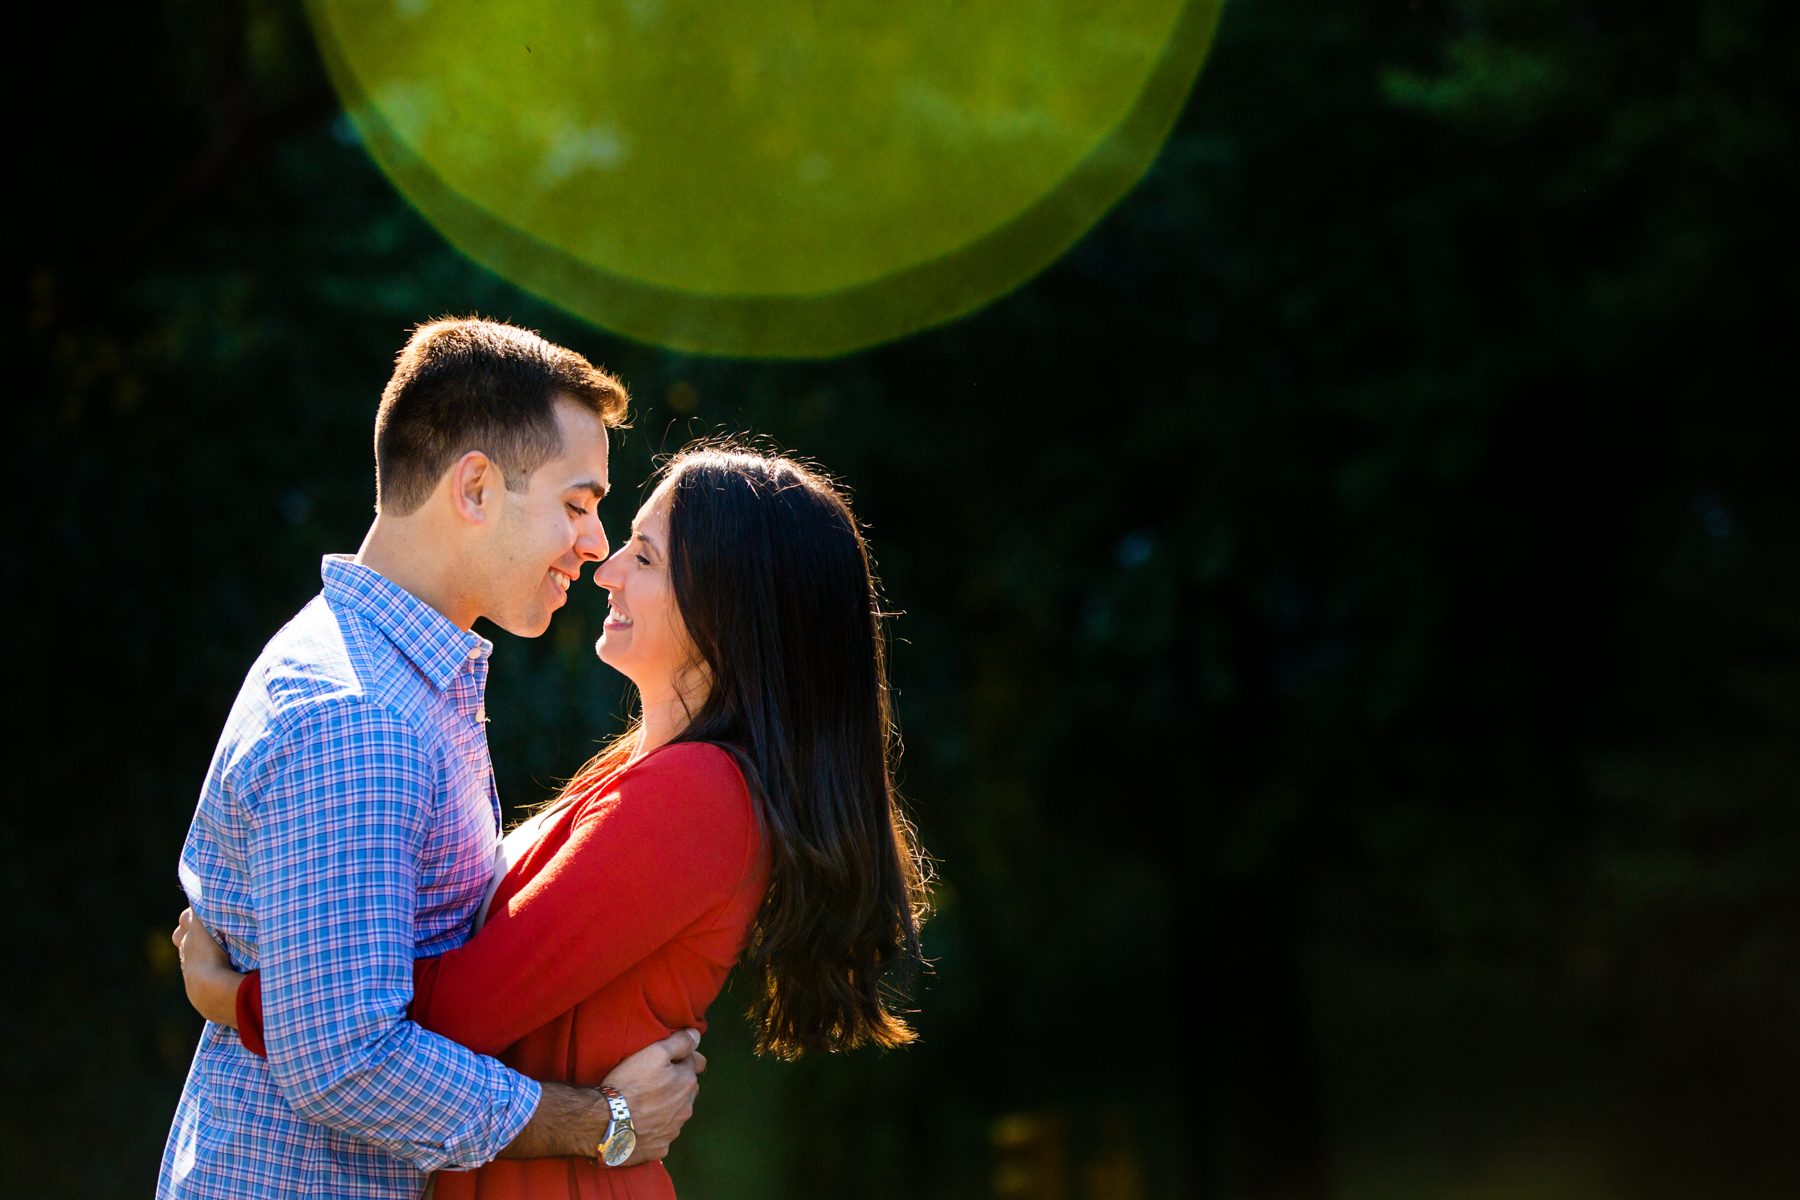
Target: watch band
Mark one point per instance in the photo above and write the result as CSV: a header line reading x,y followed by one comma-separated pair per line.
x,y
621,1112
621,1137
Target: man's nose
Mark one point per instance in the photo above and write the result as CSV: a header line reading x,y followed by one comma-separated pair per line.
x,y
592,546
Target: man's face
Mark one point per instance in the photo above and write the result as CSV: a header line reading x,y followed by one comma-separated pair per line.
x,y
547,532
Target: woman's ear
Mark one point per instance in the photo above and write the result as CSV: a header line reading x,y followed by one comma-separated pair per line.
x,y
475,486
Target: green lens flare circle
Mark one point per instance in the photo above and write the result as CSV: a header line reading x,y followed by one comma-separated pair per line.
x,y
776,178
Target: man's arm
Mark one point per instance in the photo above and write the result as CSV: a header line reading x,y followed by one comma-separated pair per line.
x,y
337,815
659,1082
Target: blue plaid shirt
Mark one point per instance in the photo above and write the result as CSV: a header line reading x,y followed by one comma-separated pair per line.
x,y
347,825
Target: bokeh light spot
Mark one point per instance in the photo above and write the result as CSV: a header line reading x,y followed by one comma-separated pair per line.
x,y
767,178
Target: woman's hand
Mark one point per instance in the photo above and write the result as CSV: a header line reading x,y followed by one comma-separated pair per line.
x,y
212,985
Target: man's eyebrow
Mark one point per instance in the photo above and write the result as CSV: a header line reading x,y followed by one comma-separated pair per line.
x,y
597,490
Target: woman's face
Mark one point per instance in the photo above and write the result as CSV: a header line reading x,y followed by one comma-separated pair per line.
x,y
644,638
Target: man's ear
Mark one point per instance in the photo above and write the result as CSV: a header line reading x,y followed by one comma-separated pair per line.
x,y
475,486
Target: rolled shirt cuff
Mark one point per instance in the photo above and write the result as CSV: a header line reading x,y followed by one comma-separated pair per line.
x,y
512,1100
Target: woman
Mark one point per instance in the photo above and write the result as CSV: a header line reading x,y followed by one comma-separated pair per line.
x,y
749,812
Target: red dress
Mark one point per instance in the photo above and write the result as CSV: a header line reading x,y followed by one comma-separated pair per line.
x,y
614,928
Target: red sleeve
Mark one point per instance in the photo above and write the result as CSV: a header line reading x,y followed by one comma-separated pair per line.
x,y
666,843
249,1014
678,833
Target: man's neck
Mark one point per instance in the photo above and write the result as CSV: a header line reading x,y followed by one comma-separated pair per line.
x,y
403,553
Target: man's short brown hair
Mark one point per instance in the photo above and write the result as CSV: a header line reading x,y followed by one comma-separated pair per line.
x,y
467,384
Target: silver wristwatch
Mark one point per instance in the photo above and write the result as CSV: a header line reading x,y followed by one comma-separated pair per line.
x,y
621,1138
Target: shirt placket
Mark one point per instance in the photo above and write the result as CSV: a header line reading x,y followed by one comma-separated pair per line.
x,y
472,705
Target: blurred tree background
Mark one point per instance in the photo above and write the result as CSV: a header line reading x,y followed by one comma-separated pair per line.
x,y
1350,661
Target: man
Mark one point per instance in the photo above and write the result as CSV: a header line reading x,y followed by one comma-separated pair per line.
x,y
349,822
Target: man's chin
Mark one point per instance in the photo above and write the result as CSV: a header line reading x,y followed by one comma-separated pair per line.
x,y
520,625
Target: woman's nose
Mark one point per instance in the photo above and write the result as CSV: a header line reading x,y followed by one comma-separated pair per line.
x,y
603,574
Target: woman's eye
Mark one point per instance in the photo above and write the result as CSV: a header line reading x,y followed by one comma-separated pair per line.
x,y
641,559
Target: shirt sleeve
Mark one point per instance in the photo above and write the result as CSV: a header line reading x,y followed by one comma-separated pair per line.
x,y
337,819
670,841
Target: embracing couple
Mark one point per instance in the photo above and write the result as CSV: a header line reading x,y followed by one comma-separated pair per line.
x,y
403,994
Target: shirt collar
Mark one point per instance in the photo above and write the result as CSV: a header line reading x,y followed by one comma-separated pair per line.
x,y
424,635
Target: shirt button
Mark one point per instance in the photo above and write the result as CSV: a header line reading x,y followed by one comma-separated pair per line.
x,y
474,652
481,713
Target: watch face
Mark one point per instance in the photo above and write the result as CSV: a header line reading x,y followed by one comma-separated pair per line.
x,y
619,1146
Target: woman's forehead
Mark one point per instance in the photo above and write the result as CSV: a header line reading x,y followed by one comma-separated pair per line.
x,y
655,509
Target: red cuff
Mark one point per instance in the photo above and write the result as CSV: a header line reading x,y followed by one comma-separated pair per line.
x,y
250,1014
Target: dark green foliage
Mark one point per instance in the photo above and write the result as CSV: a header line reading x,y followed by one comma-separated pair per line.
x,y
1351,654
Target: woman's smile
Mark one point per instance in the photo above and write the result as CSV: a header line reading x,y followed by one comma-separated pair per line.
x,y
657,656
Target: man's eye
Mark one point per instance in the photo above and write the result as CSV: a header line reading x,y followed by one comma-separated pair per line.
x,y
578,510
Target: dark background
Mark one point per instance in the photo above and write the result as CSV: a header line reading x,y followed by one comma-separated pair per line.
x,y
1350,662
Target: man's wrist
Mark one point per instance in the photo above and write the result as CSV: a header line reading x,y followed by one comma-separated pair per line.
x,y
570,1122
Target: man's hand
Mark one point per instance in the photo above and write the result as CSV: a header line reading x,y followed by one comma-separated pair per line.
x,y
659,1084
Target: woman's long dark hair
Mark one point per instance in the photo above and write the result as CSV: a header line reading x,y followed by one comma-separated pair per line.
x,y
773,582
